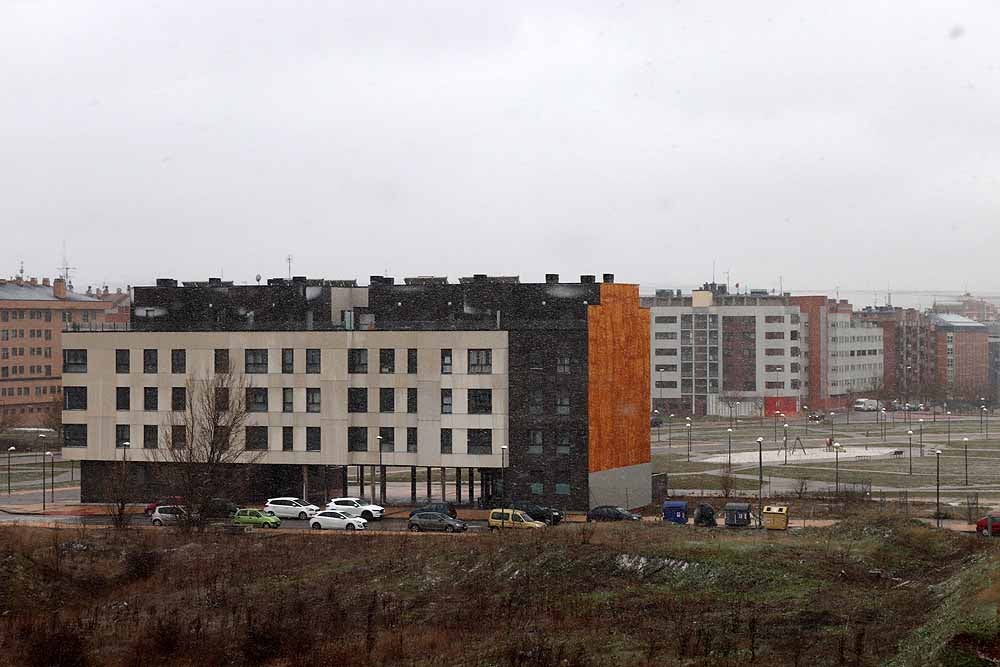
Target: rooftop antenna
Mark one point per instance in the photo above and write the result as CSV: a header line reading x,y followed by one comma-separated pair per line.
x,y
288,259
65,269
727,281
21,272
713,271
781,286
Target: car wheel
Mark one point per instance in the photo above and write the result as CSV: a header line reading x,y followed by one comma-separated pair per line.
x,y
493,529
366,515
157,522
985,532
302,516
351,527
449,528
414,528
317,526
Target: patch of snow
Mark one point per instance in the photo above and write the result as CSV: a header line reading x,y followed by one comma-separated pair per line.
x,y
796,455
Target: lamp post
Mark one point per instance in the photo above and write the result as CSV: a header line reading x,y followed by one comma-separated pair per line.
x,y
381,473
948,422
670,433
657,413
52,477
909,435
836,474
786,444
921,422
688,426
937,510
805,409
883,425
10,450
985,413
503,482
965,443
776,426
760,480
982,409
832,415
729,434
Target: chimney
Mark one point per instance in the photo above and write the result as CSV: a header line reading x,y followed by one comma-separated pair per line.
x,y
45,282
587,279
90,290
551,278
33,280
59,288
166,282
609,277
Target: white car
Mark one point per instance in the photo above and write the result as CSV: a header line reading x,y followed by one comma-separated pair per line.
x,y
167,515
331,520
290,508
356,507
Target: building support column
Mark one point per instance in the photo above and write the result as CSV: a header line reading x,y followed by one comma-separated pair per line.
x,y
444,484
343,480
413,485
361,481
428,484
381,484
458,485
305,482
372,484
472,485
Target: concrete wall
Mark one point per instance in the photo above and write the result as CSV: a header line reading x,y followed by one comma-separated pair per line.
x,y
625,487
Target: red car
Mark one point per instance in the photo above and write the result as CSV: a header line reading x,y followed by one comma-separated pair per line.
x,y
988,522
170,500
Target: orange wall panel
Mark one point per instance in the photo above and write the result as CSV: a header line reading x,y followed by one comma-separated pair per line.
x,y
618,379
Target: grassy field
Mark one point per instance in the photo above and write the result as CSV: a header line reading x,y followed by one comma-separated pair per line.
x,y
854,594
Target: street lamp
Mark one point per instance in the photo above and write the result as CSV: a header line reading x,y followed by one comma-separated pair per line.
x,y
786,443
937,511
657,413
965,443
52,477
982,409
832,415
836,478
381,473
921,422
948,422
760,480
670,432
986,413
10,450
805,409
688,426
729,434
503,483
909,435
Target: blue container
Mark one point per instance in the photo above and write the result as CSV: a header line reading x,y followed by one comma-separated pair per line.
x,y
675,511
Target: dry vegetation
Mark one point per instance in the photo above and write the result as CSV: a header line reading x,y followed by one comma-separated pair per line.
x,y
573,595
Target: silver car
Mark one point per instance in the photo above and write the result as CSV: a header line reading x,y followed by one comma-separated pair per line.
x,y
422,521
167,515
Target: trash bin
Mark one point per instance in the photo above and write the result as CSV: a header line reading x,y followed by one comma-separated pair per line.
x,y
675,511
704,515
776,517
737,515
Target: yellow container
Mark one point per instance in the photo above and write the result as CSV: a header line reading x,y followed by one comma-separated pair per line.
x,y
776,517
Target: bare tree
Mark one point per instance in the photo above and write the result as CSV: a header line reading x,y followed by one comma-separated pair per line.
x,y
727,482
117,494
203,449
8,422
52,420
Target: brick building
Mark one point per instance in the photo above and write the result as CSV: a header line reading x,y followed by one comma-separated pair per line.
x,y
910,350
33,315
962,353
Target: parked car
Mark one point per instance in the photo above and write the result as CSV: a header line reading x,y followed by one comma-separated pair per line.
x,y
250,517
290,508
611,513
333,520
443,508
356,507
991,520
656,422
511,518
817,417
422,521
547,515
169,500
220,508
167,515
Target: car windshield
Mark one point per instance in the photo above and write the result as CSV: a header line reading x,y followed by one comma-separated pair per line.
x,y
621,510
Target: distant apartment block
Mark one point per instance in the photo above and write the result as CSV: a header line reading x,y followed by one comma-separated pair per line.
x,y
962,353
910,349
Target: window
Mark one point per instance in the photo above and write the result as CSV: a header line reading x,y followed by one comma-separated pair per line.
x,y
411,400
313,439
121,361
537,488
313,363
665,335
357,399
178,361
480,441
386,399
536,360
149,361
357,439
480,401
387,438
287,438
74,398
774,352
256,438
534,441
256,361
562,489
221,399
287,399
446,441
357,360
445,362
313,399
74,435
122,436
774,319
411,439
256,399
178,399
287,360
774,385
774,335
150,399
411,360
446,404
666,352
564,445
150,436
666,384
122,401
562,404
386,361
666,319
480,362
74,361
536,402
774,368
564,363
222,361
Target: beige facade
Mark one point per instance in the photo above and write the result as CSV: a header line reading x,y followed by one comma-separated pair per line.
x,y
333,380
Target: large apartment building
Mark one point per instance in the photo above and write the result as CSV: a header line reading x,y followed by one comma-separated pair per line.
x,y
909,349
33,314
962,353
543,387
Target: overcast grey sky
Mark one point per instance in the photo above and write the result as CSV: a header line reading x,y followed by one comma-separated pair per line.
x,y
837,143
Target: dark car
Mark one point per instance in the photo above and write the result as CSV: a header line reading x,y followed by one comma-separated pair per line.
x,y
422,521
817,417
547,515
656,422
611,513
442,508
220,508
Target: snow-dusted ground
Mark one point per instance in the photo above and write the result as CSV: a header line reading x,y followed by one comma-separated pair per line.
x,y
812,454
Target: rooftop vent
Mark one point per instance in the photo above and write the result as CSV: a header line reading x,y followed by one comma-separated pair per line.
x,y
166,282
551,278
588,279
609,277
